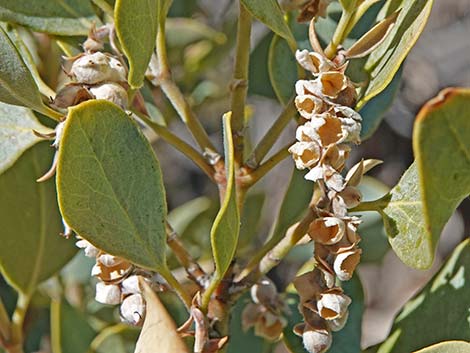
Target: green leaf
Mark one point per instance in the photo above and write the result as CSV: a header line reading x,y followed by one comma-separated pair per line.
x,y
447,347
348,5
109,184
62,17
32,249
347,340
226,227
374,110
441,144
181,32
244,341
70,330
439,312
269,13
250,220
136,27
181,217
386,59
295,202
16,133
282,68
417,209
17,85
258,74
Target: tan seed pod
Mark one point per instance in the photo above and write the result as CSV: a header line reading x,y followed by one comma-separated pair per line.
x,y
131,285
308,285
316,340
305,154
327,230
333,304
264,292
351,196
332,83
313,62
109,260
132,309
89,249
71,95
330,131
111,92
90,68
108,293
338,324
308,87
309,105
345,263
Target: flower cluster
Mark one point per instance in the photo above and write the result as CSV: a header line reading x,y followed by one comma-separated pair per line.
x,y
94,75
322,147
117,283
265,314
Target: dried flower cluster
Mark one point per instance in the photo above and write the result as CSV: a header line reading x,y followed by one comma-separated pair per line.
x,y
265,314
117,283
322,147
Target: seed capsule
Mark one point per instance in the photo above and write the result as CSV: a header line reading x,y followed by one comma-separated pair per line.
x,y
316,340
108,293
112,92
133,309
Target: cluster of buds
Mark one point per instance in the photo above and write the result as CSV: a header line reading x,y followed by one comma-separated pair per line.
x,y
117,283
94,75
266,311
323,145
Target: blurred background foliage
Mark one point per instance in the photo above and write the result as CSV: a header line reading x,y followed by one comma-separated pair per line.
x,y
201,36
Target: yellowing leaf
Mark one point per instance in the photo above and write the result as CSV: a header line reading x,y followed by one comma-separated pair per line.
x,y
386,59
32,249
16,133
447,347
110,184
226,227
159,330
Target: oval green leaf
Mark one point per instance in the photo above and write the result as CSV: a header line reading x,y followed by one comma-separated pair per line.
x,y
418,207
17,85
439,312
137,39
386,59
70,330
269,13
282,68
62,17
109,184
226,227
441,144
32,249
16,133
447,347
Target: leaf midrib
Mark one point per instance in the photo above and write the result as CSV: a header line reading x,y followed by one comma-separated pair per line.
x,y
118,200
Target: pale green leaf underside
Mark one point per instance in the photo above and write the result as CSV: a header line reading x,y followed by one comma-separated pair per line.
x,y
62,17
439,312
109,184
136,26
441,143
269,13
226,227
385,60
31,248
417,208
16,133
447,347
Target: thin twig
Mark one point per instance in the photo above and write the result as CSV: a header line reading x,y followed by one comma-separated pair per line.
x,y
193,269
240,81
